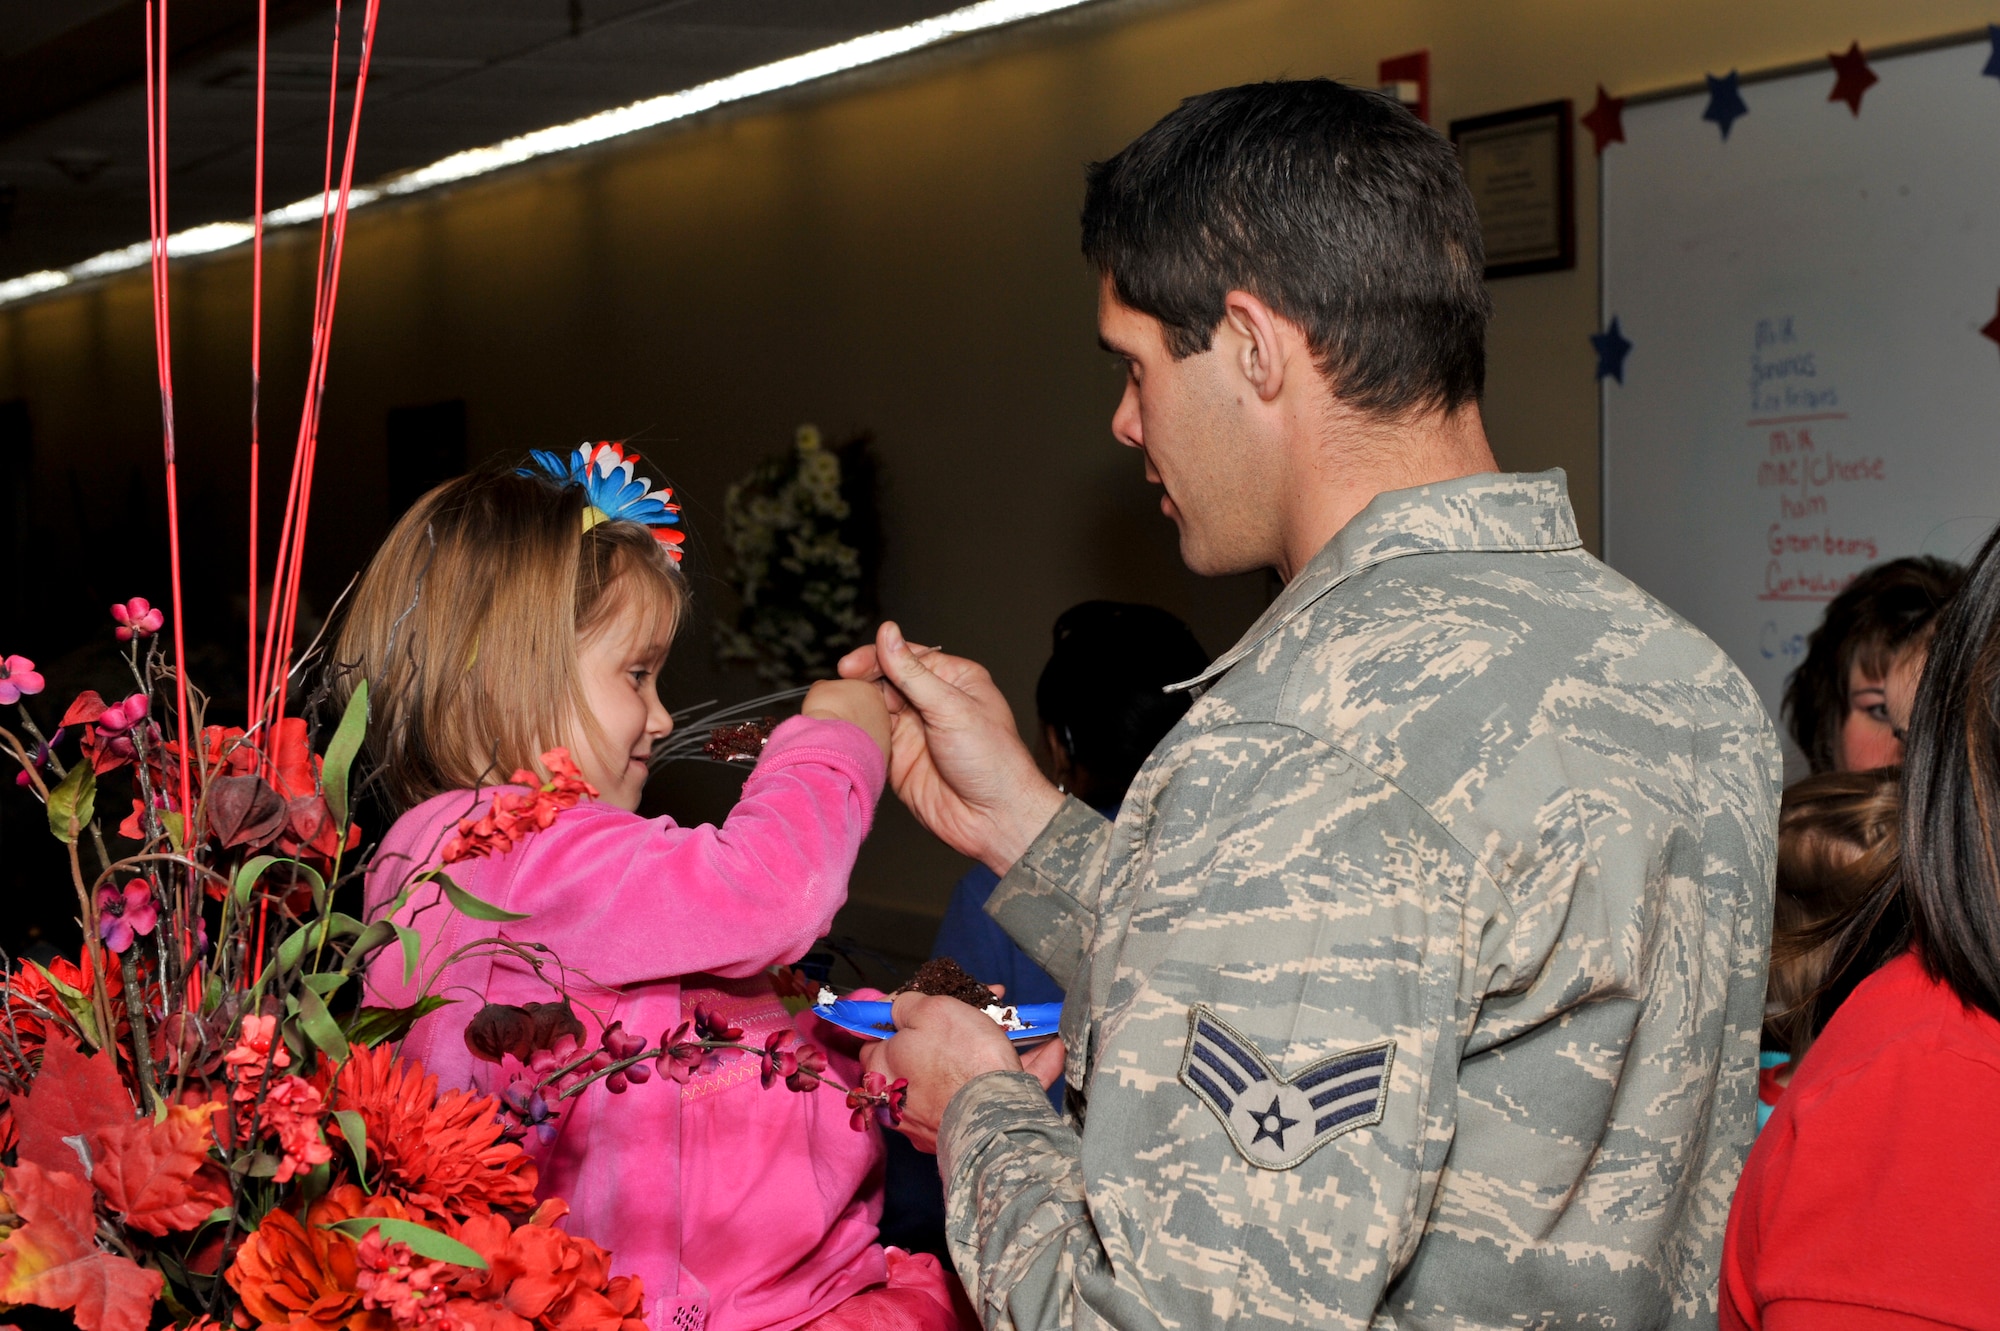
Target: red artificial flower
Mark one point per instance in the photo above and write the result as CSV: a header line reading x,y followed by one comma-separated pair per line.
x,y
293,1109
391,1279
514,814
253,1053
442,1154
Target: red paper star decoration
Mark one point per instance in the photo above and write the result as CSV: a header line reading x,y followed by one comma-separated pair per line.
x,y
1852,77
1606,120
1992,328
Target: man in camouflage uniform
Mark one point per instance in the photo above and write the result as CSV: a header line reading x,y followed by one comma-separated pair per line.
x,y
1418,982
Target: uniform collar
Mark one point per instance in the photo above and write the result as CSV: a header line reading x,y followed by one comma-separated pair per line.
x,y
1502,512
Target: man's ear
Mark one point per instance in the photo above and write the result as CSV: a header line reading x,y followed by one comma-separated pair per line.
x,y
1263,343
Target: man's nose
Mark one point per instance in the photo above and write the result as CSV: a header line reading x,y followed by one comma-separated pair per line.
x,y
1125,426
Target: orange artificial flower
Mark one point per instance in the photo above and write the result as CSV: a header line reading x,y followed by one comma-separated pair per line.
x,y
539,1276
306,1277
441,1154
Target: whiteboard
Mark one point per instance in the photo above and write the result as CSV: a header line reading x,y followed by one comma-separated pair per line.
x,y
1808,391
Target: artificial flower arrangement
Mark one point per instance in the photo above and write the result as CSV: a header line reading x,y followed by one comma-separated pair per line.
x,y
203,1124
802,535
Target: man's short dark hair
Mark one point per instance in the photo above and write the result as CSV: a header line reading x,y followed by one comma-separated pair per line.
x,y
1334,206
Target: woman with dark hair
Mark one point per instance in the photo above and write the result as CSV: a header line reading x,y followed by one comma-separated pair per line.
x,y
1873,1197
1836,704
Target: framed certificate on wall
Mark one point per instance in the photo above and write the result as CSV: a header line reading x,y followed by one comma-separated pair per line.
x,y
1519,168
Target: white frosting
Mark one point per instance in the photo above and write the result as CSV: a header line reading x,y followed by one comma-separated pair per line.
x,y
827,998
1008,1018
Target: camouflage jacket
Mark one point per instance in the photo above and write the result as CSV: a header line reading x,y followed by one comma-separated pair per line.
x,y
1418,982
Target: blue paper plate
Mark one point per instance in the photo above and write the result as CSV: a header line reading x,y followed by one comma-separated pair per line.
x,y
873,1020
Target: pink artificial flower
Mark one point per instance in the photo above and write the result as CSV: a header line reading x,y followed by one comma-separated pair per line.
x,y
622,1046
136,619
252,1052
681,1054
121,915
121,717
712,1025
799,1063
40,760
18,679
780,1059
877,1092
812,1063
293,1108
523,1107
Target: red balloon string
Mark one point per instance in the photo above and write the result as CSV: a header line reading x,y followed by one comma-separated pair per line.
x,y
256,345
283,617
156,177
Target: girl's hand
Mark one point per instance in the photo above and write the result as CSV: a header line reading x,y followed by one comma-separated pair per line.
x,y
853,702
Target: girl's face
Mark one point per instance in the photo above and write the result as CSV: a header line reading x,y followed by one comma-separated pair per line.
x,y
1867,737
619,663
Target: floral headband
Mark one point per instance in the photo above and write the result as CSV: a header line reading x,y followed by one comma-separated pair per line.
x,y
613,491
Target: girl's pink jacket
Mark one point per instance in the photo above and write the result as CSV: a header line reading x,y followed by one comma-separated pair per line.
x,y
743,1208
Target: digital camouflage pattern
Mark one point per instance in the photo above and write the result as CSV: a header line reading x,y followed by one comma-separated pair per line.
x,y
1466,805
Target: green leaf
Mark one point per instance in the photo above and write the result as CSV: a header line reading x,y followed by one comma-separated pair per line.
x,y
247,876
472,906
412,944
378,1025
423,1241
342,925
340,753
73,802
325,983
174,826
355,1129
293,947
374,938
319,1025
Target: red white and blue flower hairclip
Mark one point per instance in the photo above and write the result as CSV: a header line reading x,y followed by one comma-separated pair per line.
x,y
613,491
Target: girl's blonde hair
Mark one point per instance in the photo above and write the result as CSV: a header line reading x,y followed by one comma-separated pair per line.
x,y
466,626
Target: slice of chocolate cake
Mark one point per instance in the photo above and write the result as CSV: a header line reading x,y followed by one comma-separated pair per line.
x,y
945,978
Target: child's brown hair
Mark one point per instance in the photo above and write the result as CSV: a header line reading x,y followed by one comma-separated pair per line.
x,y
466,625
1836,849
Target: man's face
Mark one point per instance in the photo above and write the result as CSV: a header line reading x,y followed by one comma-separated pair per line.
x,y
1193,420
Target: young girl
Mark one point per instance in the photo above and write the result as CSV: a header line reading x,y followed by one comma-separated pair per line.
x,y
511,614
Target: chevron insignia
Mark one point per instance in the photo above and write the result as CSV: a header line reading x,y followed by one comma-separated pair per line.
x,y
1277,1121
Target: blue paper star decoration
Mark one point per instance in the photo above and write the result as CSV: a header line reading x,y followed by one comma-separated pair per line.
x,y
1725,103
1611,344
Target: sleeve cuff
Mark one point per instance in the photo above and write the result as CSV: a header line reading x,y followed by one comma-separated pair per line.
x,y
842,742
986,1108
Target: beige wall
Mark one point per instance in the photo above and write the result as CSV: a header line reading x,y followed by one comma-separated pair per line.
x,y
895,252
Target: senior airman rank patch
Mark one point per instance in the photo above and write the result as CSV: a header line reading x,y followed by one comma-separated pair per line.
x,y
1277,1121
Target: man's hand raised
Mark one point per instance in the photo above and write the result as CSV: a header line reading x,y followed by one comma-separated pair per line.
x,y
955,756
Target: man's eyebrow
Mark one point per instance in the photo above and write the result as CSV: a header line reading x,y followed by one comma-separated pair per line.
x,y
1105,343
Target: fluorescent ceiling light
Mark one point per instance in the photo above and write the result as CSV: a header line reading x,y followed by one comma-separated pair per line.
x,y
851,54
